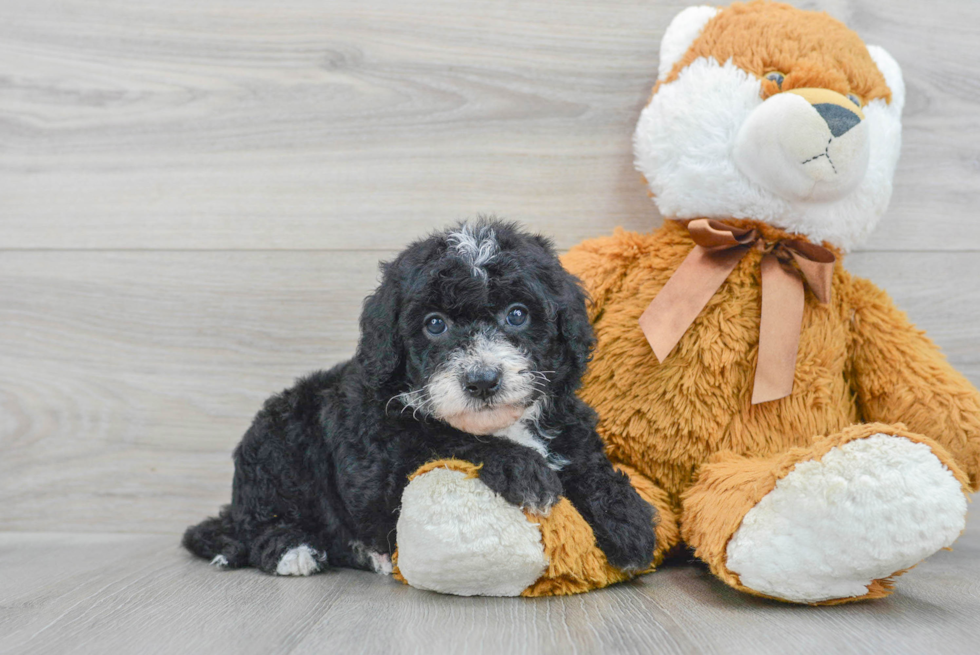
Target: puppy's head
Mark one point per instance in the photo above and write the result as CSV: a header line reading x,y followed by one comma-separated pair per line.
x,y
475,326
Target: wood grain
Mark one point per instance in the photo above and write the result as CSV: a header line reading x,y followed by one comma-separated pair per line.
x,y
128,377
193,199
358,125
139,593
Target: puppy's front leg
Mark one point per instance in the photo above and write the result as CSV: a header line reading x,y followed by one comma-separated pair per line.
x,y
369,480
623,523
520,475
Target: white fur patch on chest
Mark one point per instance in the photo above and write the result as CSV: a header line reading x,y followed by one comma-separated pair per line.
x,y
525,433
521,433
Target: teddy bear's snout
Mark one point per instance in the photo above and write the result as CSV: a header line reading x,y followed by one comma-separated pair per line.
x,y
805,145
838,112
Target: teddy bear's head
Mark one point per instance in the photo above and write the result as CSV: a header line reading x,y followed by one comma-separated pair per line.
x,y
768,112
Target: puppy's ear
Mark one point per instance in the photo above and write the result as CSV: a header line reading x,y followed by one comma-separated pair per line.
x,y
380,351
574,325
571,316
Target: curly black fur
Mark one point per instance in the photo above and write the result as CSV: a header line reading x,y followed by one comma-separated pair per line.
x,y
325,462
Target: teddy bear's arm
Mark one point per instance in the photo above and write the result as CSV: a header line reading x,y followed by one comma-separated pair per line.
x,y
901,377
601,264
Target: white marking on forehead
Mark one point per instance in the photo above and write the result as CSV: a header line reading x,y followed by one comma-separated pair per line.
x,y
477,247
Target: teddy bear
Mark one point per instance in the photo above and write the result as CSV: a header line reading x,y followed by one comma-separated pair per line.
x,y
784,418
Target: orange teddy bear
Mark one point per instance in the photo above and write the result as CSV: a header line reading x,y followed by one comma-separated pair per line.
x,y
784,418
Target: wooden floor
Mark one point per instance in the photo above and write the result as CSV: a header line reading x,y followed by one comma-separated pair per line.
x,y
112,593
194,196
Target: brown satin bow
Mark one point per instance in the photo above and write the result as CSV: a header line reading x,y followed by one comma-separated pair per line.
x,y
719,249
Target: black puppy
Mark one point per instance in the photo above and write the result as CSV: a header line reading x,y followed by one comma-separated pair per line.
x,y
472,347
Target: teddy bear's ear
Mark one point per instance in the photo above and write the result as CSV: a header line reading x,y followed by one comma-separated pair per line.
x,y
893,75
682,32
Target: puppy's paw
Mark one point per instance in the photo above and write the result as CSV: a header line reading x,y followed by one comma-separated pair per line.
x,y
301,560
375,560
625,533
523,480
631,549
381,563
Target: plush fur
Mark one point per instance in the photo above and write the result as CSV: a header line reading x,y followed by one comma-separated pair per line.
x,y
454,539
457,536
820,497
320,473
713,109
825,495
792,547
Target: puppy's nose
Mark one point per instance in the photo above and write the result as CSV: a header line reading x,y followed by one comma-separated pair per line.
x,y
839,119
482,382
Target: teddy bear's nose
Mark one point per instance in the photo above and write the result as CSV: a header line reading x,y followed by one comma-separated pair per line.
x,y
839,119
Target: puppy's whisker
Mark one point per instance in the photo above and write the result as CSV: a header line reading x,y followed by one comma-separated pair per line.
x,y
538,375
388,404
425,406
409,399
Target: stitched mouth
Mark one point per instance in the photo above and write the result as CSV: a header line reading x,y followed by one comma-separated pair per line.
x,y
825,153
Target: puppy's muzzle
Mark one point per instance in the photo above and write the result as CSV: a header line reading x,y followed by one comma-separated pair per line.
x,y
484,386
483,382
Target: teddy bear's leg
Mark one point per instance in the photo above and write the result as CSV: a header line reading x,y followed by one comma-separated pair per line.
x,y
456,536
829,523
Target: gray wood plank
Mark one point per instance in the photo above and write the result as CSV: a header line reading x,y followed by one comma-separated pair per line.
x,y
102,593
128,378
137,373
332,124
128,594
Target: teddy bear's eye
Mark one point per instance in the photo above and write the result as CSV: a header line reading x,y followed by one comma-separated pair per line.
x,y
853,98
777,77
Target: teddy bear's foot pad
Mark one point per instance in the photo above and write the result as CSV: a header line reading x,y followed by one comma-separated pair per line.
x,y
867,510
456,536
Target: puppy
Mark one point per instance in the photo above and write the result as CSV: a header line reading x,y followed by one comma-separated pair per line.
x,y
472,347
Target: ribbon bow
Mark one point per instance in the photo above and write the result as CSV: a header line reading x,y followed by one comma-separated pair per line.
x,y
719,249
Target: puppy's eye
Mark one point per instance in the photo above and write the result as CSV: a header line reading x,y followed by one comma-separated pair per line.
x,y
517,315
777,77
435,324
853,98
